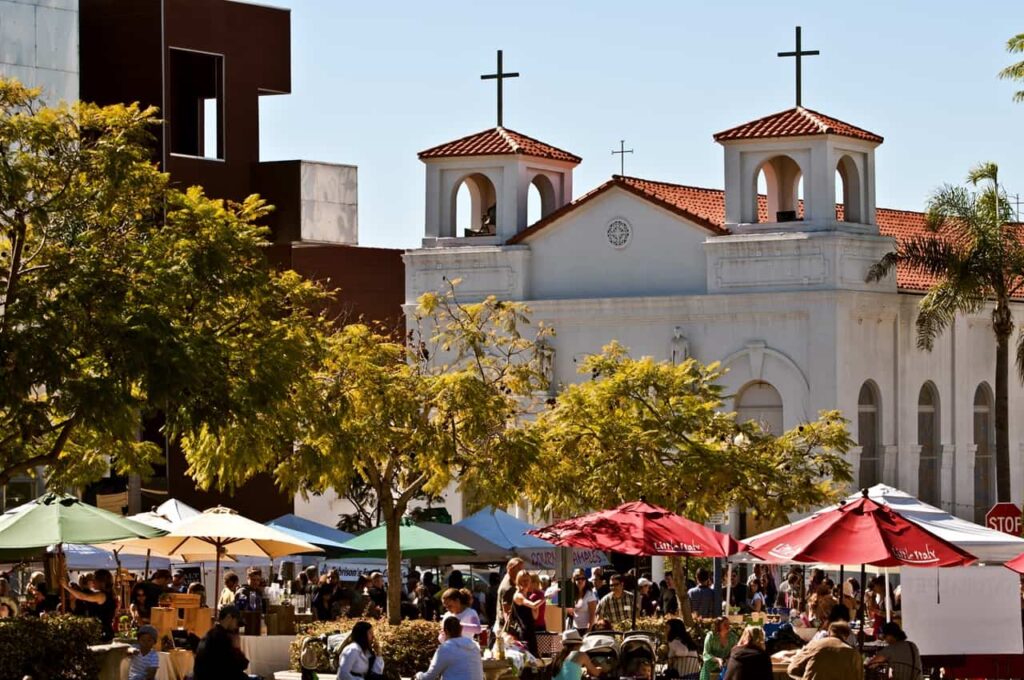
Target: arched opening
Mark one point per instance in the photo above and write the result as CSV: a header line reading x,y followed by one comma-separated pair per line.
x,y
540,201
929,482
473,208
868,431
848,191
760,401
984,461
780,180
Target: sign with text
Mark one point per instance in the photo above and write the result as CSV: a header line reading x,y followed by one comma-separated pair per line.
x,y
1005,517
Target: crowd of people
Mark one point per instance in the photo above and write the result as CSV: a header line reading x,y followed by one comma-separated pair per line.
x,y
510,610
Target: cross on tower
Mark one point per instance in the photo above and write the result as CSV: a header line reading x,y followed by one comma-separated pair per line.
x,y
798,54
622,156
499,76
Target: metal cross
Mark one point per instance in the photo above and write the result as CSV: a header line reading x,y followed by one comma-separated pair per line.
x,y
499,76
622,156
798,54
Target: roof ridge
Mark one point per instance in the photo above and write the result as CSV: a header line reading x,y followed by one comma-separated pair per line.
x,y
516,146
814,118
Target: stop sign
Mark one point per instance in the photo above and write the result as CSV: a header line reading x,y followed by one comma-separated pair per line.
x,y
1005,517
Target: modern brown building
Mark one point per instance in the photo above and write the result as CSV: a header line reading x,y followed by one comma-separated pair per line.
x,y
205,64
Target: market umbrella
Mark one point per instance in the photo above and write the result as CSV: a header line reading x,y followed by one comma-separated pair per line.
x,y
509,532
640,529
331,540
415,541
224,532
861,531
484,552
1016,564
55,519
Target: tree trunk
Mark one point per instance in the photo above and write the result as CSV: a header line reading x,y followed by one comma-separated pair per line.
x,y
682,597
1002,408
393,518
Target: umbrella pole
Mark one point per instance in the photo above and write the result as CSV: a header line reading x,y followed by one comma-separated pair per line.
x,y
636,587
146,572
860,638
728,586
888,600
216,583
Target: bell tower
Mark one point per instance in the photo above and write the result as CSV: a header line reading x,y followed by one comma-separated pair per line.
x,y
498,166
794,145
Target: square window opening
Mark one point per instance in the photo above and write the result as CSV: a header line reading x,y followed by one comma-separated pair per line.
x,y
196,110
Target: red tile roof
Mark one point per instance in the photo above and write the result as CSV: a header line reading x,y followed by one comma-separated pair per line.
x,y
706,207
795,122
498,141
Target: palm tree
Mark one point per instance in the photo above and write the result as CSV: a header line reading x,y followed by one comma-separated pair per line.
x,y
976,257
1015,71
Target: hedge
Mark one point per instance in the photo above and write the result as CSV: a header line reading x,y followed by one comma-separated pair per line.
x,y
407,648
54,648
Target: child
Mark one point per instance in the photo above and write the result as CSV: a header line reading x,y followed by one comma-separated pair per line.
x,y
144,660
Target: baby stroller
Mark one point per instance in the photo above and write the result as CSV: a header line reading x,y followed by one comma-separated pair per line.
x,y
639,649
314,648
603,650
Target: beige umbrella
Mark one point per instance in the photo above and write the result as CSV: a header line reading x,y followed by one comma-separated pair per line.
x,y
224,532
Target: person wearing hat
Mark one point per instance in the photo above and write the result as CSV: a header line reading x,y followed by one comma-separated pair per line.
x,y
219,655
178,584
571,661
145,662
900,654
648,602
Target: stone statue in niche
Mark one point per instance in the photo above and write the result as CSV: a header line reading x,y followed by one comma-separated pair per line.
x,y
680,346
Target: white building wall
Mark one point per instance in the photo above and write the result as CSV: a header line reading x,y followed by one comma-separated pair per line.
x,y
39,46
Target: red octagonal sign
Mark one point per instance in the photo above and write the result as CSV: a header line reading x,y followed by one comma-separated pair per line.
x,y
1005,517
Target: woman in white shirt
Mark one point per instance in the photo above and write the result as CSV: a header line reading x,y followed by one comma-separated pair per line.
x,y
361,655
584,610
458,603
757,602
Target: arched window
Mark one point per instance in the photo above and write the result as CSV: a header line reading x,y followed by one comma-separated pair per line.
x,y
478,219
540,200
984,461
868,436
929,483
848,181
781,177
759,401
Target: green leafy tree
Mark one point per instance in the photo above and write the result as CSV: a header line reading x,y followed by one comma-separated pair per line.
x,y
641,427
976,258
410,418
1015,45
120,295
657,430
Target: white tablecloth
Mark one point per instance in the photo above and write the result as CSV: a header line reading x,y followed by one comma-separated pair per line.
x,y
182,667
267,654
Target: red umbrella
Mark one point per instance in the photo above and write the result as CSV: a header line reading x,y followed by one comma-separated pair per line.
x,y
861,532
1016,564
639,528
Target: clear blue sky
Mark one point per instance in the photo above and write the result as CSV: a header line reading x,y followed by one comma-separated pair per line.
x,y
375,82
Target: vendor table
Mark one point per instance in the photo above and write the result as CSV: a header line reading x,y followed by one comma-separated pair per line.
x,y
176,664
267,654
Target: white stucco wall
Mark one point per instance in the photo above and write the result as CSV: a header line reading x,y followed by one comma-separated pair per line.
x,y
39,46
572,257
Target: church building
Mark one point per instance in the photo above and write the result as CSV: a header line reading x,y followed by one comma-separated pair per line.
x,y
771,284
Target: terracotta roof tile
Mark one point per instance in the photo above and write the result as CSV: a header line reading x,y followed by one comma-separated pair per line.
x,y
793,123
498,141
707,208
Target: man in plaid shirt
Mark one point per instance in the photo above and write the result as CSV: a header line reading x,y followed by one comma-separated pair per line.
x,y
616,606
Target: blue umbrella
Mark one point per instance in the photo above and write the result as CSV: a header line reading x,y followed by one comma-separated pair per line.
x,y
501,528
320,535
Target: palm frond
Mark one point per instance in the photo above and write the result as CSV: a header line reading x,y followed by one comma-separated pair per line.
x,y
985,171
941,305
883,267
1015,44
934,256
1020,355
951,208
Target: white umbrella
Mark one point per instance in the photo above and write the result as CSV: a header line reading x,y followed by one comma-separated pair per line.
x,y
224,532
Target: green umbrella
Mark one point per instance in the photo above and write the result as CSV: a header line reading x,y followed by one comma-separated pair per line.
x,y
58,518
415,542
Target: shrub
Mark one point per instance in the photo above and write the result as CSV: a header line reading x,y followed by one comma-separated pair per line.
x,y
407,648
55,648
